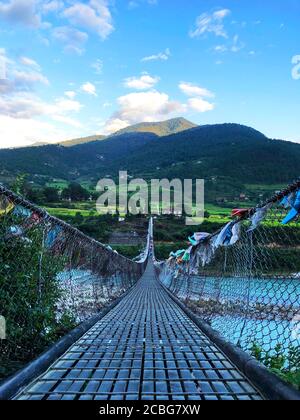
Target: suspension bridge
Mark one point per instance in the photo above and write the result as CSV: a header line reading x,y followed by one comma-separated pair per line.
x,y
137,337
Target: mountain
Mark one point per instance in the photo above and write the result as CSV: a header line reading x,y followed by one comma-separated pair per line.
x,y
164,128
57,161
82,140
214,149
223,154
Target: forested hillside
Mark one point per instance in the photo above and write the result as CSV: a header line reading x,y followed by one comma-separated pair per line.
x,y
232,152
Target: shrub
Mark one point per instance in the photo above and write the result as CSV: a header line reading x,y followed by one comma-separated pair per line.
x,y
284,364
29,293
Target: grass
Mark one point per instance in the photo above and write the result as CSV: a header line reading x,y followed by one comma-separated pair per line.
x,y
265,187
213,209
60,184
216,214
64,212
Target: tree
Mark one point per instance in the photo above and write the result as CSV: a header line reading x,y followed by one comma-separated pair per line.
x,y
19,183
75,192
206,214
51,195
78,218
34,195
22,186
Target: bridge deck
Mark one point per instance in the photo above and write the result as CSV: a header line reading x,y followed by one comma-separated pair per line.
x,y
145,348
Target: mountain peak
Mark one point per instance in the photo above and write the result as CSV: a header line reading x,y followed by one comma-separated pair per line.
x,y
161,128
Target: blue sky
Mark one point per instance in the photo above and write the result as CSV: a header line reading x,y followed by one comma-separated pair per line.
x,y
74,68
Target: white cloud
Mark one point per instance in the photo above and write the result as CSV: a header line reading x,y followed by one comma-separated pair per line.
x,y
234,46
94,16
67,121
26,105
162,56
143,107
144,82
4,63
146,106
296,67
25,119
200,105
22,12
27,131
157,106
114,125
133,4
52,6
190,89
15,78
24,116
221,14
221,48
6,86
211,23
43,40
27,79
21,106
97,66
73,39
62,106
70,94
237,44
89,88
46,25
29,62
21,81
197,93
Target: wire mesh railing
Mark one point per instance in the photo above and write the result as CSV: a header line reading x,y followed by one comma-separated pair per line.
x,y
52,277
245,280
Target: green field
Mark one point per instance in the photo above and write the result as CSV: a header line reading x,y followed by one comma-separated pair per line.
x,y
265,187
86,209
63,212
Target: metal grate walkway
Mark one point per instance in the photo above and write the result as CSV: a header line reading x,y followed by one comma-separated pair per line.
x,y
146,348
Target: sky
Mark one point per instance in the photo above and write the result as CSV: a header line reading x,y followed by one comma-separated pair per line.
x,y
71,68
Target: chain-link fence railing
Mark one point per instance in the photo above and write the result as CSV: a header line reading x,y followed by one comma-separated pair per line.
x,y
245,281
52,277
